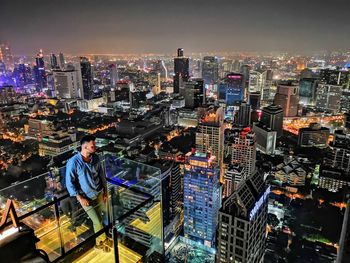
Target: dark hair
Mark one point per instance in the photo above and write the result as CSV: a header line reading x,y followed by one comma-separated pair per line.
x,y
87,138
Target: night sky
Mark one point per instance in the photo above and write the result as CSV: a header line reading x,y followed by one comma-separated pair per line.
x,y
106,26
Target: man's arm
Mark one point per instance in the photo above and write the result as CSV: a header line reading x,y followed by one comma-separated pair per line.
x,y
71,179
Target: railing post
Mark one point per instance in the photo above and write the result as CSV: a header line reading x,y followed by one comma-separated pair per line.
x,y
57,216
115,242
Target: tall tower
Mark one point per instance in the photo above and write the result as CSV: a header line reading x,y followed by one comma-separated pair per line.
x,y
194,93
210,70
287,97
241,146
113,75
242,223
53,61
272,117
210,133
6,56
231,88
86,74
181,70
202,200
61,61
39,70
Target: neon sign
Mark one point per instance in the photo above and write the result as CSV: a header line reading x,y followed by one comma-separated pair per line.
x,y
259,203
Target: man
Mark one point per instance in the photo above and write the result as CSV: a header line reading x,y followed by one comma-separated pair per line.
x,y
86,181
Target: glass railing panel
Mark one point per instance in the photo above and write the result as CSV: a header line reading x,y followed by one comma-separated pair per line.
x,y
35,192
45,226
136,207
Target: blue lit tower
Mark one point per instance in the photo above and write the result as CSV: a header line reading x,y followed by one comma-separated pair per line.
x,y
231,89
39,71
202,198
86,75
181,70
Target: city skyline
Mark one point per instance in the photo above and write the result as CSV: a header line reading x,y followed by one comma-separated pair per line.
x,y
119,27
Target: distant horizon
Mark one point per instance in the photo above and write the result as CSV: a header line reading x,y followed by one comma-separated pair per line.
x,y
155,26
186,53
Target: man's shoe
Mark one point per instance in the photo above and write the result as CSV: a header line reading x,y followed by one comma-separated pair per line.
x,y
102,247
108,242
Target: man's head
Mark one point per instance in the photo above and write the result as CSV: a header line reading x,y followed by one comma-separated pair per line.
x,y
88,144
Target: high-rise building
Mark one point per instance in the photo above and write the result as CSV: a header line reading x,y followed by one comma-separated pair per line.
x,y
113,74
67,84
202,198
287,97
61,61
53,61
181,70
265,138
272,117
6,56
257,79
210,70
338,156
194,93
39,71
243,115
234,175
313,136
231,89
254,99
23,75
242,223
307,91
210,133
240,144
172,197
328,97
335,77
86,75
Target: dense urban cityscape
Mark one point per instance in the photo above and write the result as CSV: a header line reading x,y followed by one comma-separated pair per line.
x,y
207,156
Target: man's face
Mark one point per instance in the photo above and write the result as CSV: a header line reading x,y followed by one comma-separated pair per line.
x,y
90,147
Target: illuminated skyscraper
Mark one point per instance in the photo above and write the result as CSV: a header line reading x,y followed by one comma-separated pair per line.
x,y
67,84
231,89
328,97
241,146
61,61
181,70
86,74
287,97
53,61
243,115
242,223
194,93
113,73
202,199
307,91
6,56
257,79
272,117
39,71
335,77
210,70
210,134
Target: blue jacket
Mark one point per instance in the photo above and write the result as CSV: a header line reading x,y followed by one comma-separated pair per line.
x,y
83,178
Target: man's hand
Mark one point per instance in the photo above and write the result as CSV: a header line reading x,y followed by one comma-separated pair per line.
x,y
83,201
